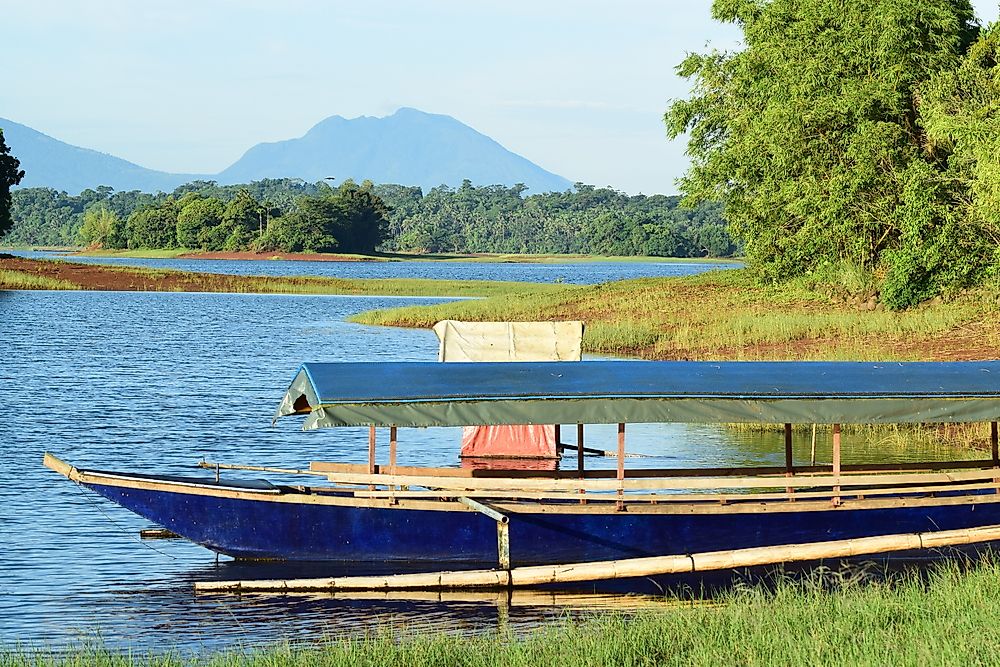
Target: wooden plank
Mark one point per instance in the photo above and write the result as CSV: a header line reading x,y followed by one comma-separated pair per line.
x,y
867,468
158,534
675,498
797,481
322,496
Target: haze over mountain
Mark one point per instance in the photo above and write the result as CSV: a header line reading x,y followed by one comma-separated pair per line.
x,y
48,162
410,147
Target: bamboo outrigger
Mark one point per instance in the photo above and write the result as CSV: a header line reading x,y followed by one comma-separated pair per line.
x,y
528,524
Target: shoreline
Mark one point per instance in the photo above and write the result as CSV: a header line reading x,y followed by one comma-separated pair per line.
x,y
58,274
716,315
486,258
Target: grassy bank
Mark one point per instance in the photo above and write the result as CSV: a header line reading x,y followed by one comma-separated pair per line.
x,y
171,253
947,618
400,257
19,273
722,315
10,279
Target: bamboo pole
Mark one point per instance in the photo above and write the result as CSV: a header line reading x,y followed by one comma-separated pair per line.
x,y
619,569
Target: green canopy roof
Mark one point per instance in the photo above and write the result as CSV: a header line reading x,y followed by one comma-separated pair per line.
x,y
607,392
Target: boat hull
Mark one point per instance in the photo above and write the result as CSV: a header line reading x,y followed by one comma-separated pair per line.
x,y
306,528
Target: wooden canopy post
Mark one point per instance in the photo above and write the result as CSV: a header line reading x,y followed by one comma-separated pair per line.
x,y
812,451
789,468
836,462
392,460
621,467
994,451
580,458
993,444
371,453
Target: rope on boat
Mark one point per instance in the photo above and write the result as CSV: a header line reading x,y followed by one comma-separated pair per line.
x,y
617,569
590,451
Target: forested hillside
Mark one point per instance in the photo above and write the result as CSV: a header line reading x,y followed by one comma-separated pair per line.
x,y
291,215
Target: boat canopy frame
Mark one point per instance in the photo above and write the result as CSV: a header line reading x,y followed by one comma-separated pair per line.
x,y
420,394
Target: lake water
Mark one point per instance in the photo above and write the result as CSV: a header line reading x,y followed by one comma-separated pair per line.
x,y
156,381
583,273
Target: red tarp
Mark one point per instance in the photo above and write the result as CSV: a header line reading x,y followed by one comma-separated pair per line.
x,y
530,442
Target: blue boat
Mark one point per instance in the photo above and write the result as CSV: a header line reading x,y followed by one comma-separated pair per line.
x,y
508,518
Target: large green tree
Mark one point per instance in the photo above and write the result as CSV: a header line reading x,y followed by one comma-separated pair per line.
x,y
10,175
196,220
810,135
961,111
102,228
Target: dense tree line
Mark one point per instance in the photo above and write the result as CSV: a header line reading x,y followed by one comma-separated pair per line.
x,y
589,220
283,215
862,134
290,215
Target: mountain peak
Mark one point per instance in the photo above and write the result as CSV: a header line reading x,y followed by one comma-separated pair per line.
x,y
408,147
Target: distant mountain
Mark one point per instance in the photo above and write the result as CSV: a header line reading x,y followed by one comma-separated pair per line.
x,y
51,163
409,147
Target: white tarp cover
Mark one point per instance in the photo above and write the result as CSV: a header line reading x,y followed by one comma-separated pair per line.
x,y
509,341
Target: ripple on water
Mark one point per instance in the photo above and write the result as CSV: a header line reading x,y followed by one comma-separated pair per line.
x,y
160,380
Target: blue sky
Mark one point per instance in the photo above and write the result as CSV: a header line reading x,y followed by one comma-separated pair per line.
x,y
187,86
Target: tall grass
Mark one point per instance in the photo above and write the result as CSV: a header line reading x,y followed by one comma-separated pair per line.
x,y
724,315
153,279
10,279
946,617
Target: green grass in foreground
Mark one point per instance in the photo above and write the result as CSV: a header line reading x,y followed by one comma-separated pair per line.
x,y
950,618
20,280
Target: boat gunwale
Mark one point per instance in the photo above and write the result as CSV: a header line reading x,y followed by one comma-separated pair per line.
x,y
446,500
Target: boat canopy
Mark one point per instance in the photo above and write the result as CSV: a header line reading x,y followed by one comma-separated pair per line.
x,y
608,392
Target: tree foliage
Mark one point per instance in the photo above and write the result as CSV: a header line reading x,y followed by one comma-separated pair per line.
x,y
102,228
812,138
961,111
10,175
289,215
